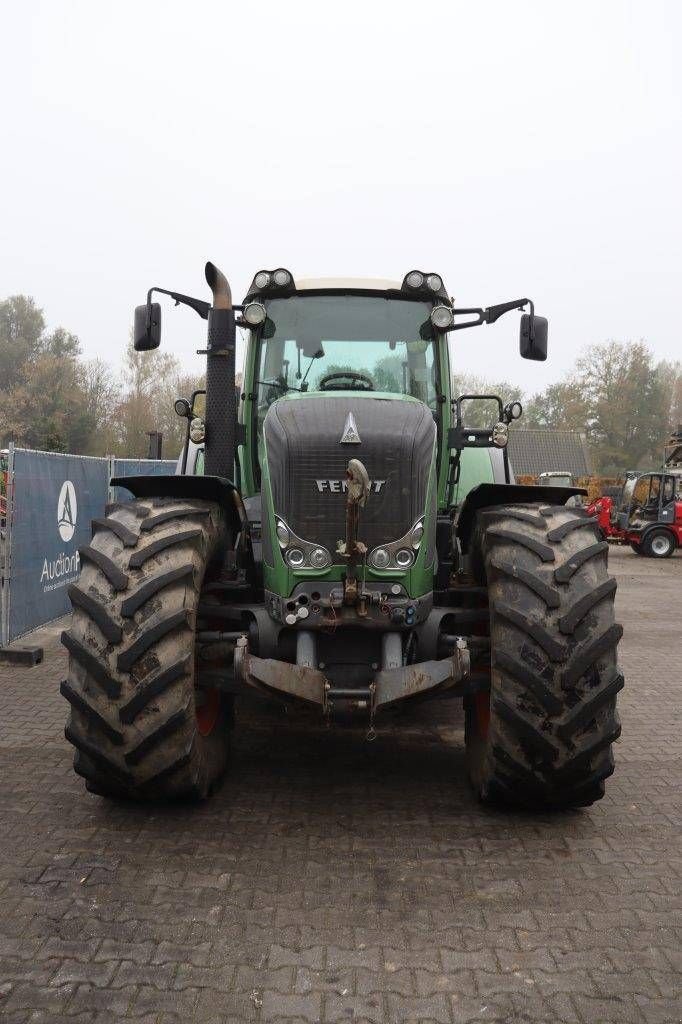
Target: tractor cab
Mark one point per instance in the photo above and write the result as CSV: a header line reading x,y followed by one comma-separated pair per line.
x,y
649,498
337,338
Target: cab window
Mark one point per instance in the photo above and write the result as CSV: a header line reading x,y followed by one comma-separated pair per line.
x,y
346,342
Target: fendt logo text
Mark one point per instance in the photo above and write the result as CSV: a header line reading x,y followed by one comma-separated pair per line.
x,y
340,486
67,511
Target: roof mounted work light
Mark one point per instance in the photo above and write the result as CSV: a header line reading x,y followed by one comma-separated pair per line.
x,y
271,282
427,285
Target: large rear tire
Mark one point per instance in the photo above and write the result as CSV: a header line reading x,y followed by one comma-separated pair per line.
x,y
140,728
542,737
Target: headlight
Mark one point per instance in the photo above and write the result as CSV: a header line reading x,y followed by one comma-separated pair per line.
x,y
295,558
399,555
416,535
255,314
197,430
442,317
319,558
283,535
415,279
299,553
500,435
434,282
282,278
262,280
380,558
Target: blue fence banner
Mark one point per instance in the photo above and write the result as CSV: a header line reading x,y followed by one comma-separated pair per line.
x,y
6,462
138,467
48,503
51,503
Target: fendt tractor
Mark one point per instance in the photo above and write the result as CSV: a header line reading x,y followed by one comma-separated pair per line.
x,y
337,537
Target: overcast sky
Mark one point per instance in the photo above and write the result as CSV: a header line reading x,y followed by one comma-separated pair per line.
x,y
517,148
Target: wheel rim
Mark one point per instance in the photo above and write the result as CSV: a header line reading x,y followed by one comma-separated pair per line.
x,y
207,709
660,545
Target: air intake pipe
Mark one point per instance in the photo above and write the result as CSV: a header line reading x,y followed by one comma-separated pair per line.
x,y
221,398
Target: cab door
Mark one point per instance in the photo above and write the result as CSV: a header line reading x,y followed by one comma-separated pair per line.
x,y
667,513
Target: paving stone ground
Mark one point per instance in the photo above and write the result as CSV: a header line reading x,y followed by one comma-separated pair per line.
x,y
335,880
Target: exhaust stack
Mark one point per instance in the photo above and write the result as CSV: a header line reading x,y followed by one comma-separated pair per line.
x,y
221,398
218,283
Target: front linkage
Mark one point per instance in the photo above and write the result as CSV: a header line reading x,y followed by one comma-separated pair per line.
x,y
395,681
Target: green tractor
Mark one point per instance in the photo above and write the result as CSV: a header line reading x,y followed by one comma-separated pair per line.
x,y
337,536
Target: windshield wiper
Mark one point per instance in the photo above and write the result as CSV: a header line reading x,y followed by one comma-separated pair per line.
x,y
304,386
278,384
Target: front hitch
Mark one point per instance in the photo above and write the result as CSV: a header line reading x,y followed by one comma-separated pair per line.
x,y
351,549
304,681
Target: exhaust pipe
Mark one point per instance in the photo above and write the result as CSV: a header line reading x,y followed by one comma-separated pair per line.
x,y
221,398
218,283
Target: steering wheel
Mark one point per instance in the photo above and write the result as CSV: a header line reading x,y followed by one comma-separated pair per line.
x,y
357,378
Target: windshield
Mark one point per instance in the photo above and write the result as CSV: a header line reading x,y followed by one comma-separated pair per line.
x,y
310,343
644,493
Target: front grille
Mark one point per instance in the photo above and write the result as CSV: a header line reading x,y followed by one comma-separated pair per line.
x,y
302,442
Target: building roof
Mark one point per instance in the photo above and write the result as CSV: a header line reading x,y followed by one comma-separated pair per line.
x,y
535,451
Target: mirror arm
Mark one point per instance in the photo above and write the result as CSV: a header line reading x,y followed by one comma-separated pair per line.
x,y
469,323
197,305
493,313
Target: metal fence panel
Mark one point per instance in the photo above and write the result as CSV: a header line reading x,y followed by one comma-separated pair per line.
x,y
53,499
138,467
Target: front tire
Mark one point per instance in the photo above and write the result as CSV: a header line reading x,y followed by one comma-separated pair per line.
x,y
542,737
658,544
140,727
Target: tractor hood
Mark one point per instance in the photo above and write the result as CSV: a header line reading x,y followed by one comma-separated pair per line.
x,y
308,443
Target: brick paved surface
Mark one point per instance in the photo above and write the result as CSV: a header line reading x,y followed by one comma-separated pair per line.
x,y
333,880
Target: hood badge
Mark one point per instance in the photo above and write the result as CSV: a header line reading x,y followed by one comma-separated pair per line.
x,y
350,431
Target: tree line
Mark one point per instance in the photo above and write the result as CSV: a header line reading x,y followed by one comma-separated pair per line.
x,y
54,399
624,402
617,394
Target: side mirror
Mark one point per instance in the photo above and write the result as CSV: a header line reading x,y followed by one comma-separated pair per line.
x,y
199,404
147,330
535,348
183,409
310,348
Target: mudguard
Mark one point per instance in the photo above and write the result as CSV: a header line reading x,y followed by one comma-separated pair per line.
x,y
490,495
205,488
